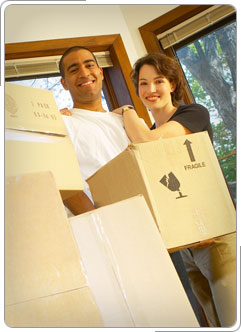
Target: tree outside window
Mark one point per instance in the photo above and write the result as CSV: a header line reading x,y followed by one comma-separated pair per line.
x,y
209,64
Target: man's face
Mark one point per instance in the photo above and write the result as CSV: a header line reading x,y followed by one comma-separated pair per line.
x,y
83,78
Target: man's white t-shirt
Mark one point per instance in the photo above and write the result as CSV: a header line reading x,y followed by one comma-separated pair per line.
x,y
97,138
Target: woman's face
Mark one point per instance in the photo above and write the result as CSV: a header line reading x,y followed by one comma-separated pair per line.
x,y
154,89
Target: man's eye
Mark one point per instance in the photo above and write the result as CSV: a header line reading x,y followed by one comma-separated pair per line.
x,y
73,70
90,65
143,83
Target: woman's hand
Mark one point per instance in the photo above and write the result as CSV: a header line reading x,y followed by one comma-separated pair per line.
x,y
66,111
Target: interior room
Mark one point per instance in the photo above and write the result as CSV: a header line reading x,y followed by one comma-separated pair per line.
x,y
115,266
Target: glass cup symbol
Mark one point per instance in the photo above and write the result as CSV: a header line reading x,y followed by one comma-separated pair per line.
x,y
172,183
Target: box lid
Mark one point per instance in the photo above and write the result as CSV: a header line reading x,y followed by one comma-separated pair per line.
x,y
27,152
32,109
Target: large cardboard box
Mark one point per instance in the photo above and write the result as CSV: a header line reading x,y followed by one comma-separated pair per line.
x,y
44,282
36,139
182,183
129,269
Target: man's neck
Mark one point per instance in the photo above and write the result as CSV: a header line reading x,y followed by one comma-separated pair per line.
x,y
95,107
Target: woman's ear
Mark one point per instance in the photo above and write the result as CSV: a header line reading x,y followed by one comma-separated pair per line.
x,y
173,86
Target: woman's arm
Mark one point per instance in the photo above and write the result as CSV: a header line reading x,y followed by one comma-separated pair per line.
x,y
138,132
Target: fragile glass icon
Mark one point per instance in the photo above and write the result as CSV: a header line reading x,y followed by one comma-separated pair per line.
x,y
172,183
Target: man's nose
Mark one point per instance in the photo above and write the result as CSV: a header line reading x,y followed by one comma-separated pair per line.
x,y
83,72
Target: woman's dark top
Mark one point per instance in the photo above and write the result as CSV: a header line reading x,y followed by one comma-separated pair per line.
x,y
195,117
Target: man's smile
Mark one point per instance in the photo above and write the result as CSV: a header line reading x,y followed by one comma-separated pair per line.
x,y
86,83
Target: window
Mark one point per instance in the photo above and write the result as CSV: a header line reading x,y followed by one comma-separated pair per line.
x,y
211,31
209,65
62,97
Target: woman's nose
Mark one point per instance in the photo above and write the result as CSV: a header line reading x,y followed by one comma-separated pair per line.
x,y
152,87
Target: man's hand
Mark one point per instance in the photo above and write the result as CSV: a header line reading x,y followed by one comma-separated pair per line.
x,y
202,244
66,111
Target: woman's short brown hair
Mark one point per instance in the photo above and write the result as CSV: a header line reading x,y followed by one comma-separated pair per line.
x,y
164,65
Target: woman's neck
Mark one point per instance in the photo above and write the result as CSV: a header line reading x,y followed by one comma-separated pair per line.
x,y
161,116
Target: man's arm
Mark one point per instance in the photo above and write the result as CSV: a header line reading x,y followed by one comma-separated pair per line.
x,y
79,203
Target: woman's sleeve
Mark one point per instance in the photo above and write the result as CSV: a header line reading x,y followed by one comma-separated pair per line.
x,y
195,117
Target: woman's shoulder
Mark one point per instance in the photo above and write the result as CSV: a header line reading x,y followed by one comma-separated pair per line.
x,y
192,107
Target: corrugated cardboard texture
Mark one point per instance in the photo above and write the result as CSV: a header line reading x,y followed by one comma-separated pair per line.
x,y
32,152
41,257
183,185
32,109
136,280
75,308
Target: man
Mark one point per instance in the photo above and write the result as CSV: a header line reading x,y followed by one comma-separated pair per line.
x,y
98,136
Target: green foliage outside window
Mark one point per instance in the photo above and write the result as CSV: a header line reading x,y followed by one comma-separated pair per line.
x,y
209,65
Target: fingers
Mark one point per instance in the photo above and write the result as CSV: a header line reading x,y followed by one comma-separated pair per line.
x,y
66,111
202,244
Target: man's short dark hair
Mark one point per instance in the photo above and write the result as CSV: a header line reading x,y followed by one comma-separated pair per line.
x,y
70,50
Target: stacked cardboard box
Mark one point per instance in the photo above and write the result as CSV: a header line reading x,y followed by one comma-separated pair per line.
x,y
36,138
108,267
129,269
45,285
182,183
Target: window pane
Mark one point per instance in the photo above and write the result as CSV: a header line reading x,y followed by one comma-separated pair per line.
x,y
62,96
209,64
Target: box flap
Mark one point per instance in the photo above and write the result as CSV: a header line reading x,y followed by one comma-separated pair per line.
x,y
75,308
27,152
32,109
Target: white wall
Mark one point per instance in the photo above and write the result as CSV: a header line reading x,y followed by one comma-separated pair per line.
x,y
43,22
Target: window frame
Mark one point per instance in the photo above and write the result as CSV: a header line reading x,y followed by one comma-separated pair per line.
x,y
151,30
118,87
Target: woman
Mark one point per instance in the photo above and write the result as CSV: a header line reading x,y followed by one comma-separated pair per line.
x,y
211,267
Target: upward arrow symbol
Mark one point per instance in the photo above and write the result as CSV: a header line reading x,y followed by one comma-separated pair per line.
x,y
189,149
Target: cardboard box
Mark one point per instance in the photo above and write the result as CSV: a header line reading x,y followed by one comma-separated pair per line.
x,y
129,269
36,138
182,183
44,281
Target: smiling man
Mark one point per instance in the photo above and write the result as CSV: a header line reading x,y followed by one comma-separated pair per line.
x,y
97,135
82,76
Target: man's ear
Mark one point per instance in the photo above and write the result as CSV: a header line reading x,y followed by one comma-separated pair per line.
x,y
101,71
63,84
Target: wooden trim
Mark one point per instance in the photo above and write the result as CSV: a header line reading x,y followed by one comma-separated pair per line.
x,y
56,46
109,92
165,22
119,74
